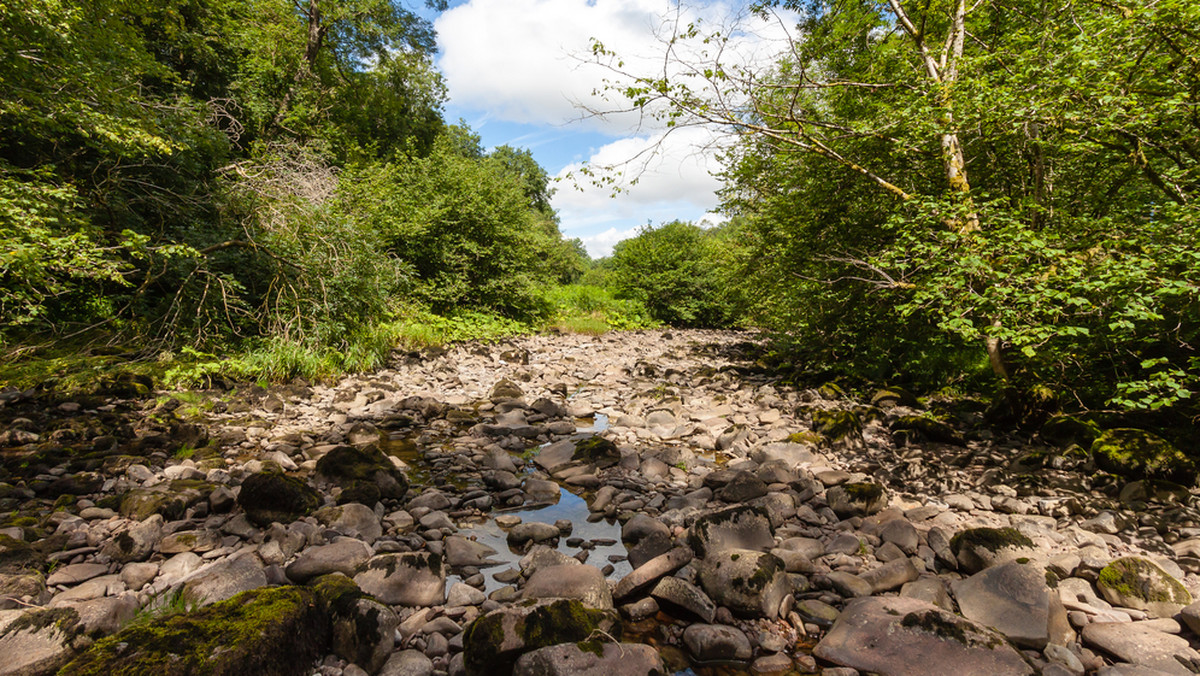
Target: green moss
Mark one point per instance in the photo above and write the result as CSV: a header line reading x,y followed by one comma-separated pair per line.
x,y
1134,577
991,539
863,491
594,647
933,430
492,643
597,450
264,631
64,619
1138,453
934,622
807,438
268,497
837,425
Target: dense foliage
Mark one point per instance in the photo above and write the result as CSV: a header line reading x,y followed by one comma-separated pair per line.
x,y
991,190
220,173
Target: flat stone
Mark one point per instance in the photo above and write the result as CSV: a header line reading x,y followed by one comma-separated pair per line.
x,y
37,641
225,579
711,642
343,555
742,527
648,573
609,659
76,573
685,595
409,579
462,552
891,575
1012,598
585,583
1140,645
896,636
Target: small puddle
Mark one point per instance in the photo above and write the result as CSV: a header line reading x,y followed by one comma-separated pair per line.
x,y
571,507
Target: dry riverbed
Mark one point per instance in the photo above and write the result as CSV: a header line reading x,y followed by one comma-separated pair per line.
x,y
635,503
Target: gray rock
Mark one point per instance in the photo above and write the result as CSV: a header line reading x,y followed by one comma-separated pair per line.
x,y
364,634
460,552
138,575
895,636
607,659
37,641
742,527
685,595
343,555
409,579
407,663
104,616
225,579
584,583
531,531
495,640
1012,598
76,573
1136,582
747,582
648,573
461,594
930,590
555,455
201,541
891,575
856,499
979,548
1136,644
352,520
787,453
849,585
137,543
900,533
711,642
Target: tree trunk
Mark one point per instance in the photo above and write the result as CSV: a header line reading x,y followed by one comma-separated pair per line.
x,y
316,35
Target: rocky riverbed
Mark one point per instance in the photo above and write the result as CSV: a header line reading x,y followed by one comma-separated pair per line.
x,y
635,503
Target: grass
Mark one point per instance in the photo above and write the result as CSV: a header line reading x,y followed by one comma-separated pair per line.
x,y
74,369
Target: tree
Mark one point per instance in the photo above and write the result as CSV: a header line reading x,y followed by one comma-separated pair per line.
x,y
994,173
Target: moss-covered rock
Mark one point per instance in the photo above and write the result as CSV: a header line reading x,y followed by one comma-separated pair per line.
x,y
1141,454
843,429
919,428
362,628
18,556
1134,582
1026,408
749,583
170,499
493,642
269,631
980,548
347,465
40,640
598,451
856,499
1065,430
269,497
890,397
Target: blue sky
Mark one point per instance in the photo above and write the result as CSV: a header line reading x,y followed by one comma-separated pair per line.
x,y
517,73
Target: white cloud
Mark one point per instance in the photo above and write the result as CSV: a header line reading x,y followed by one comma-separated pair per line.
x,y
601,245
529,61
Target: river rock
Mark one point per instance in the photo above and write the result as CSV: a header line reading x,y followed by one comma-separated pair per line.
x,y
712,642
1136,582
410,579
460,552
38,641
683,594
584,583
978,548
343,555
494,642
856,499
593,657
407,663
531,531
224,579
1011,598
742,527
136,543
896,636
648,573
352,520
76,573
1137,644
269,497
747,582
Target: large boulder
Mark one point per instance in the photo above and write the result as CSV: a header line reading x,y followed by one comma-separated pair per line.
x,y
170,499
353,520
741,527
747,582
409,579
1135,582
842,429
856,499
343,555
567,581
224,579
269,497
591,657
898,636
278,630
362,628
1011,598
1140,454
346,466
137,542
38,641
979,548
494,642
